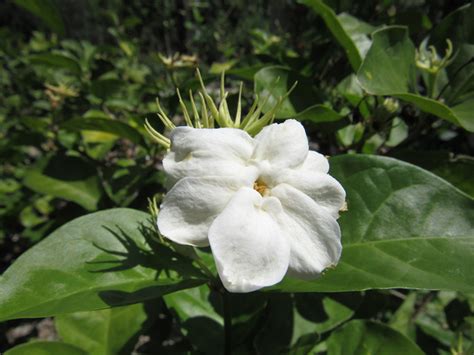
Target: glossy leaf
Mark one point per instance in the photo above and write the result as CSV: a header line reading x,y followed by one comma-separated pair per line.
x,y
67,177
366,337
405,228
105,332
396,77
45,348
272,83
101,260
115,127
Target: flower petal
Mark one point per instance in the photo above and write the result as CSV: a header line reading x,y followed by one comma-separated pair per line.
x,y
283,145
191,206
314,235
207,152
248,246
326,191
315,162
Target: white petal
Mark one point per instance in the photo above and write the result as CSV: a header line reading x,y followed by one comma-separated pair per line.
x,y
191,206
207,152
248,246
315,162
326,191
284,145
314,235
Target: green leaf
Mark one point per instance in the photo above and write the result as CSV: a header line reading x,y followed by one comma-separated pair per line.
x,y
118,128
70,178
396,76
325,312
105,332
272,83
389,66
105,259
403,319
405,228
246,73
45,348
46,10
365,337
56,61
350,32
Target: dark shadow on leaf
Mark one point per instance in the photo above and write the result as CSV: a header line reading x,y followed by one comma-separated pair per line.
x,y
117,298
205,334
173,270
153,309
150,254
310,306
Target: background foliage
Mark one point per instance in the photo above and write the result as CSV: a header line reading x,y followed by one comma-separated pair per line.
x,y
79,78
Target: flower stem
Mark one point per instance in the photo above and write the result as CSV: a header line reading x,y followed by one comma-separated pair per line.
x,y
227,323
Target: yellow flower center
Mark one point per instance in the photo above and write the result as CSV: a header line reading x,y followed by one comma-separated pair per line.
x,y
260,187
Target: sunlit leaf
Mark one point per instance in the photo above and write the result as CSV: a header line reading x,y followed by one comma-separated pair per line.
x,y
98,261
405,228
45,348
105,332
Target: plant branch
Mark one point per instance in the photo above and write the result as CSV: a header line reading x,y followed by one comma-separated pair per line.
x,y
227,323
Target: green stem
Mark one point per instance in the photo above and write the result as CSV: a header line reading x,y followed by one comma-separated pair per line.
x,y
227,323
432,84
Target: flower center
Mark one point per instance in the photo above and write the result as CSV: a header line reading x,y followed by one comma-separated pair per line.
x,y
261,187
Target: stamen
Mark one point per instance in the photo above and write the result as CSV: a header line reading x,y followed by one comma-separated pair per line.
x,y
261,187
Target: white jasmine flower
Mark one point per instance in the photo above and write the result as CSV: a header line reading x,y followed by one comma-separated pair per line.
x,y
266,205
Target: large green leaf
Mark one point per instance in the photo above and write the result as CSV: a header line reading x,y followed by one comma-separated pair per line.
x,y
272,83
389,69
105,259
405,228
365,337
104,332
45,348
115,127
46,10
67,177
350,32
